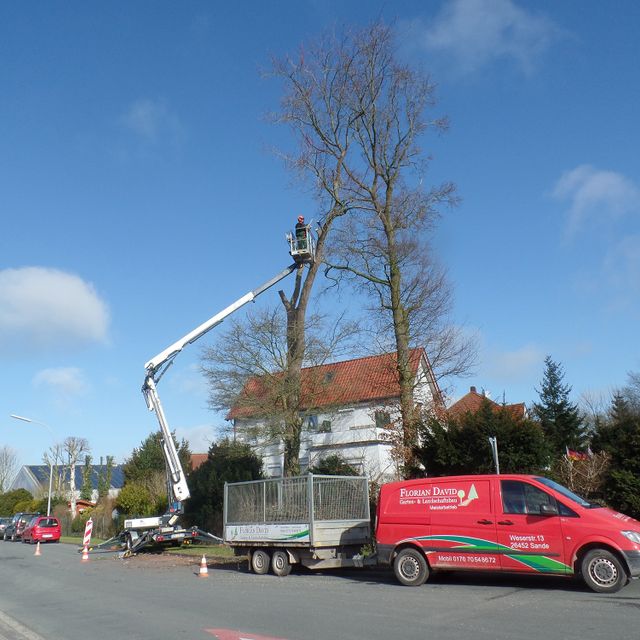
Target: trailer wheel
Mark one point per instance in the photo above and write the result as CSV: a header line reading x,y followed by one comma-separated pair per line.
x,y
260,561
280,564
410,567
603,572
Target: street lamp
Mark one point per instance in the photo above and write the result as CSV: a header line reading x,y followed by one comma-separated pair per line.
x,y
46,426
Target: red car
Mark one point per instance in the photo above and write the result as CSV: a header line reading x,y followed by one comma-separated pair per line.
x,y
42,529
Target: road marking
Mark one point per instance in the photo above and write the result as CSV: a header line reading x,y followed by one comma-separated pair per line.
x,y
11,626
232,634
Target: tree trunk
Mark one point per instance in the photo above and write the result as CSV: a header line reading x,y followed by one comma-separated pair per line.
x,y
296,308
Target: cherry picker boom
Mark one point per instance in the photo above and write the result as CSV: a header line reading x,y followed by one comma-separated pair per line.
x,y
164,530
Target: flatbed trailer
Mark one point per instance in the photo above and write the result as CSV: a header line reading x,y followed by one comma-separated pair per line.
x,y
318,521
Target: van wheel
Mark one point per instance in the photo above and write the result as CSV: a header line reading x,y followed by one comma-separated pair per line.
x,y
260,561
603,572
280,564
411,568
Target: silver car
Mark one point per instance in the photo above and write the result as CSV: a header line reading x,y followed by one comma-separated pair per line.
x,y
3,525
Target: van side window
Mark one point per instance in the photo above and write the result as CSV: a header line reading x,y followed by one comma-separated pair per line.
x,y
512,496
522,497
563,510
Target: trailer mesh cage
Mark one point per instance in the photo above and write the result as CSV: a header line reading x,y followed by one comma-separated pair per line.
x,y
288,499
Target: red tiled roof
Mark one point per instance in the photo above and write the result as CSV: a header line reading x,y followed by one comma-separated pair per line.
x,y
197,459
339,383
472,402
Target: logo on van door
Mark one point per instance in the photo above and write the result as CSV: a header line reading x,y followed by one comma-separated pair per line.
x,y
439,497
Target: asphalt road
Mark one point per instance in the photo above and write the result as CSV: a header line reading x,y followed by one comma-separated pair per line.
x,y
57,596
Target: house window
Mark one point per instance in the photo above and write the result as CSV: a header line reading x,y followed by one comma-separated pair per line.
x,y
325,426
312,423
383,419
356,463
274,470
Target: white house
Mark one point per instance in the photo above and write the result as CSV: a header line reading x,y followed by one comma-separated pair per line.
x,y
347,413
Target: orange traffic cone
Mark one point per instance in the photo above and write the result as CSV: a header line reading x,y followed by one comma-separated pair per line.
x,y
37,553
85,554
204,570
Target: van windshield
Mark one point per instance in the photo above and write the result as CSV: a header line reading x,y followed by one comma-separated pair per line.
x,y
568,494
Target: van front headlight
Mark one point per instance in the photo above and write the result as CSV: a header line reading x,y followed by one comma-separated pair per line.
x,y
634,536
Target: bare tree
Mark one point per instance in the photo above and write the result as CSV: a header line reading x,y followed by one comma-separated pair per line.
x,y
247,368
585,476
8,466
594,407
631,392
317,107
360,116
54,457
73,449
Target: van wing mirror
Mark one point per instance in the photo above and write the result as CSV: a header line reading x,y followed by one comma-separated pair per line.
x,y
548,510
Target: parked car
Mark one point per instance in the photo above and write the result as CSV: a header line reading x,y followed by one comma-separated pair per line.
x,y
42,529
14,529
510,523
3,524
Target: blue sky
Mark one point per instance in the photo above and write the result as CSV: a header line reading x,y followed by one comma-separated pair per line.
x,y
138,195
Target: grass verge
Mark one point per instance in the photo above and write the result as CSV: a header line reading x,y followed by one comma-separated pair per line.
x,y
213,550
77,540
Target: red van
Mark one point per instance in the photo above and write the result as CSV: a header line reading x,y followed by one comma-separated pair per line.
x,y
513,523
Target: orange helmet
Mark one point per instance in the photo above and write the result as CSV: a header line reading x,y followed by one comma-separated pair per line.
x,y
300,218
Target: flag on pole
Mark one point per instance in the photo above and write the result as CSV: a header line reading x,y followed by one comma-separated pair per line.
x,y
576,455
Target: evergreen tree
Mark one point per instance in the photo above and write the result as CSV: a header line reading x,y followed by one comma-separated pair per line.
x,y
87,485
149,458
461,446
147,468
227,461
10,499
620,438
104,480
560,419
334,465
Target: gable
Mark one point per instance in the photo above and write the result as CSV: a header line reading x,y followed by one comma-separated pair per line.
x,y
472,403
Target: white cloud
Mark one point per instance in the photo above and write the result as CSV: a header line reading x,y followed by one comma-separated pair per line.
x,y
475,33
595,193
622,267
42,309
515,365
63,381
153,121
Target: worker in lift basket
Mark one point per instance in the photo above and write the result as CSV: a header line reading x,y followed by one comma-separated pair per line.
x,y
301,234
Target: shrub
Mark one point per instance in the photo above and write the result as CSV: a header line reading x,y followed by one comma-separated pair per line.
x,y
135,499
